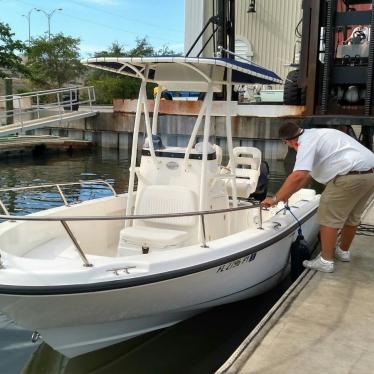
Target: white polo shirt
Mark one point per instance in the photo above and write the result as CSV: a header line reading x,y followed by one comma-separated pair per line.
x,y
326,153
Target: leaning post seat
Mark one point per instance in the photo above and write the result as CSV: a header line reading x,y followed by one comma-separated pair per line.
x,y
247,171
160,233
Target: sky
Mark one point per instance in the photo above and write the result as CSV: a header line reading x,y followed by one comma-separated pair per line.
x,y
99,23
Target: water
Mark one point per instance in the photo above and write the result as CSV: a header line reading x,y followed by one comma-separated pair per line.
x,y
107,164
198,345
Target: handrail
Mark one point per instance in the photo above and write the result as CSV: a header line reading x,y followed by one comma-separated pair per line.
x,y
46,92
129,217
80,251
86,263
58,186
47,106
60,99
95,181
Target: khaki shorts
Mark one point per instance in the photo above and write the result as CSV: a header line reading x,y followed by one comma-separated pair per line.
x,y
344,200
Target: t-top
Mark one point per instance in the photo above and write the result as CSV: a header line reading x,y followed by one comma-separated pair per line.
x,y
326,153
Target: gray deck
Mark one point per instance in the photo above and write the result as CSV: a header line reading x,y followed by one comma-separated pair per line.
x,y
324,324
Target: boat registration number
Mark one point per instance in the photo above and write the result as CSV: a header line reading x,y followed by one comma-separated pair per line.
x,y
234,264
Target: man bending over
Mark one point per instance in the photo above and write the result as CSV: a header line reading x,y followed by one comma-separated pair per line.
x,y
346,168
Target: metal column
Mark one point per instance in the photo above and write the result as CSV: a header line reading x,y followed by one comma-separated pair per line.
x,y
329,54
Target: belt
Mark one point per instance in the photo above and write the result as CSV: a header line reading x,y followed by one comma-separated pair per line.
x,y
370,171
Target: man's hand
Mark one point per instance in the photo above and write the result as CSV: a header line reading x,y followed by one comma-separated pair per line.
x,y
268,202
293,183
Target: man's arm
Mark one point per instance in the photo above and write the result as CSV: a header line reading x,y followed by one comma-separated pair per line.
x,y
296,180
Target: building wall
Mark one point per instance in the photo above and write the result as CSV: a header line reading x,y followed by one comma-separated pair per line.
x,y
197,14
114,130
194,19
269,33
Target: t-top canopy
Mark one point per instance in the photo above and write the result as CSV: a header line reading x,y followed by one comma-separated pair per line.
x,y
186,73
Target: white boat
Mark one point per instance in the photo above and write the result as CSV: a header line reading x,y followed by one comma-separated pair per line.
x,y
92,274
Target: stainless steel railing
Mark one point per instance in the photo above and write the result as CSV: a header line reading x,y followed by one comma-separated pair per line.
x,y
40,104
81,253
8,217
57,186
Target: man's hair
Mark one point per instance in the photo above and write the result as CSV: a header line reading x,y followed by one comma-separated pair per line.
x,y
288,130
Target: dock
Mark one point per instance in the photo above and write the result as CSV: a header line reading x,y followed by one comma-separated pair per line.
x,y
52,120
323,324
49,108
19,145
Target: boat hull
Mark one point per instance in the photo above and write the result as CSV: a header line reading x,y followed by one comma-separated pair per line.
x,y
77,323
76,340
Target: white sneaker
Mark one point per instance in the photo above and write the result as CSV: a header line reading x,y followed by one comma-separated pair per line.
x,y
341,255
319,264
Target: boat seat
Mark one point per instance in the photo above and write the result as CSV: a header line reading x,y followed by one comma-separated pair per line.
x,y
247,171
244,186
151,237
158,233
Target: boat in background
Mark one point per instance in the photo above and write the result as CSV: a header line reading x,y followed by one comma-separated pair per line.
x,y
184,237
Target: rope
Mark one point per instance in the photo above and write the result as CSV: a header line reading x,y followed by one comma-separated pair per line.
x,y
299,230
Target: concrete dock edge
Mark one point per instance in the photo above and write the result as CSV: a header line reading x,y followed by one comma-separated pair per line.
x,y
241,355
324,323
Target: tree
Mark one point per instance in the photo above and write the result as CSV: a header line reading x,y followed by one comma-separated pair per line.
x,y
115,50
9,60
142,49
111,86
166,51
54,62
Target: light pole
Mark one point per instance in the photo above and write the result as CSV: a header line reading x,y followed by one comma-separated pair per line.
x,y
28,17
49,16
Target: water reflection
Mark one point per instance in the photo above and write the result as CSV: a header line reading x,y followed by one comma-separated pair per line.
x,y
15,346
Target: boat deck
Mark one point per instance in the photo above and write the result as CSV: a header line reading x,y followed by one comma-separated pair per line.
x,y
323,324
